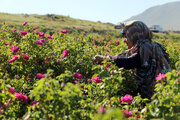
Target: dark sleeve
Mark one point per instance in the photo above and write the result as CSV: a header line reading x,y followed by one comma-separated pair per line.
x,y
130,62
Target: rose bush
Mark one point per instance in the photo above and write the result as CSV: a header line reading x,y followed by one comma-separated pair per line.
x,y
54,77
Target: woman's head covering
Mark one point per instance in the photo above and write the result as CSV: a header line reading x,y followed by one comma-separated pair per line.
x,y
136,30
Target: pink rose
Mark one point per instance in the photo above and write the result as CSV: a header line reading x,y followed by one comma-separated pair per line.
x,y
106,65
110,40
63,84
25,57
24,98
33,102
127,98
6,105
25,23
40,42
17,95
77,75
161,77
127,113
75,81
7,43
137,116
15,57
94,41
49,37
3,91
14,49
65,53
14,30
12,90
117,43
41,34
39,76
101,110
34,28
108,45
21,97
23,32
63,31
10,100
96,79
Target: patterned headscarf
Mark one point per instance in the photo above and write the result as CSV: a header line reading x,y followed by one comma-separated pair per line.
x,y
136,30
153,56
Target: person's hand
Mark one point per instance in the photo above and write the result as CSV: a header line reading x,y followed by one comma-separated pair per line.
x,y
98,59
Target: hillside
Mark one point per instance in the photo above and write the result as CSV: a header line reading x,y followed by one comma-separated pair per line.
x,y
166,15
56,22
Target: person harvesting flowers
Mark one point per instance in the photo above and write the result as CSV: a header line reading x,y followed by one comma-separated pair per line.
x,y
148,58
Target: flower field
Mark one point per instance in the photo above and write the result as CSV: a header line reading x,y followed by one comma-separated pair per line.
x,y
52,76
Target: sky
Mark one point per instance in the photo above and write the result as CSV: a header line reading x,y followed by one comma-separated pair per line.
x,y
106,11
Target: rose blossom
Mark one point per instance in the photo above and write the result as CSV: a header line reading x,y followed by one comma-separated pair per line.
x,y
160,77
40,42
25,57
63,84
75,81
63,31
127,113
106,65
137,116
21,97
15,57
12,90
101,110
23,32
65,53
94,41
49,37
6,105
7,43
117,43
14,49
77,75
97,79
60,60
25,22
10,100
41,34
3,91
14,30
34,28
33,102
127,98
39,76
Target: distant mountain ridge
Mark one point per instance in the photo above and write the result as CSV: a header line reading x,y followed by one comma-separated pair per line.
x,y
166,15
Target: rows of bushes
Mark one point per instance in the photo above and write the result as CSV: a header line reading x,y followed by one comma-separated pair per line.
x,y
52,76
